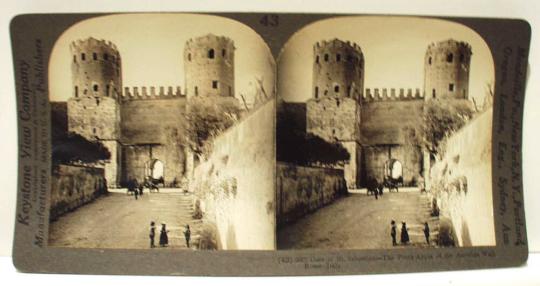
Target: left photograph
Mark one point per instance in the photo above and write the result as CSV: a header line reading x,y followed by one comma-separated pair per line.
x,y
162,128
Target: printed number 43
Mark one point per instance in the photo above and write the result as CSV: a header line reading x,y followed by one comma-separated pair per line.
x,y
270,20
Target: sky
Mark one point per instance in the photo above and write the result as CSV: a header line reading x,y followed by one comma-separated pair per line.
x,y
152,45
393,47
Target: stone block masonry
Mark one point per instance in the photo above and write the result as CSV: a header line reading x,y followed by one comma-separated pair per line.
x,y
74,186
301,190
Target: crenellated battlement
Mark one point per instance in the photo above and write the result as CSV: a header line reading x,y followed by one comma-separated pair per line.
x,y
150,93
337,44
91,43
389,94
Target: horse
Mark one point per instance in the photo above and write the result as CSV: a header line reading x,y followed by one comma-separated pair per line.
x,y
152,183
392,183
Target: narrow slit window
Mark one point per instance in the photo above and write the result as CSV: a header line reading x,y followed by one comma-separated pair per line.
x,y
223,53
211,54
83,56
433,93
214,84
94,56
317,59
450,57
326,57
451,87
76,91
189,57
196,90
429,61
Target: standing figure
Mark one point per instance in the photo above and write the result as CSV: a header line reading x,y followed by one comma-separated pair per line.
x,y
141,189
380,187
187,235
152,234
404,233
163,236
426,232
393,232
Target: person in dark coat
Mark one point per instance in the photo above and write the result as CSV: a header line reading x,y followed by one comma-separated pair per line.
x,y
141,189
380,187
393,232
426,232
404,233
152,234
163,236
187,235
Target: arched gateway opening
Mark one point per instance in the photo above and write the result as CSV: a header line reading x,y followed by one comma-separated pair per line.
x,y
154,169
393,169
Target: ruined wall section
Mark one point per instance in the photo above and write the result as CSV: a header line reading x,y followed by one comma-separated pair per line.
x,y
301,190
74,186
446,70
235,184
462,183
209,66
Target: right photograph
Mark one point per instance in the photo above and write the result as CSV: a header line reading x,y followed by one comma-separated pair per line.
x,y
384,135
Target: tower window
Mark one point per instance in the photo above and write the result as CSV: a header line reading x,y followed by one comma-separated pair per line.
x,y
196,90
106,57
433,95
429,61
108,87
83,56
326,57
95,87
333,131
450,58
94,130
74,58
214,84
223,52
94,56
317,59
336,88
316,92
451,87
76,91
211,54
338,57
189,57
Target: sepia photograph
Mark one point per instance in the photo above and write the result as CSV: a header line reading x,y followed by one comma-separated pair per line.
x,y
384,135
162,130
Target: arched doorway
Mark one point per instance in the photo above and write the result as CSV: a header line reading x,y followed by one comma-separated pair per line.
x,y
393,169
155,169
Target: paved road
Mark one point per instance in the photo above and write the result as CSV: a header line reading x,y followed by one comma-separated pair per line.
x,y
119,221
360,222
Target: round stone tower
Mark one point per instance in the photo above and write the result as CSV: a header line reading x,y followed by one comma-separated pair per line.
x,y
209,66
95,68
94,107
338,69
446,70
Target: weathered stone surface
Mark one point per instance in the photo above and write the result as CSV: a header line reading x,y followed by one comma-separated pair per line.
x,y
235,183
462,183
301,190
74,186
